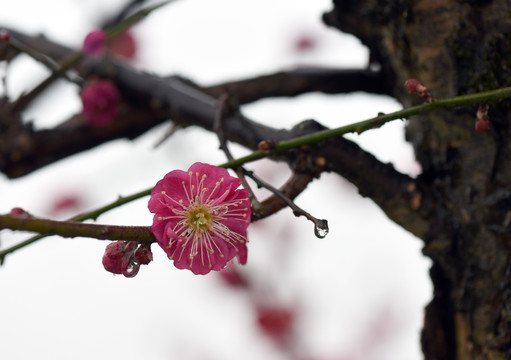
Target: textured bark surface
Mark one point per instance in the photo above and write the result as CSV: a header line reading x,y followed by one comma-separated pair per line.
x,y
453,47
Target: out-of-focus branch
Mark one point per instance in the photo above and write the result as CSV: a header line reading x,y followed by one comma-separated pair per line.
x,y
303,80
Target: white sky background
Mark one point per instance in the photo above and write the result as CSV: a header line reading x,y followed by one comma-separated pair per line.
x,y
360,291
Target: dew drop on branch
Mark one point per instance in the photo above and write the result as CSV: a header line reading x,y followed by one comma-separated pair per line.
x,y
321,228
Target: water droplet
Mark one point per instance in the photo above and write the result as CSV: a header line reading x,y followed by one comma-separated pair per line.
x,y
321,228
131,270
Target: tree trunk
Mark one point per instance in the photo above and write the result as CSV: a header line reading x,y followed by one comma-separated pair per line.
x,y
453,48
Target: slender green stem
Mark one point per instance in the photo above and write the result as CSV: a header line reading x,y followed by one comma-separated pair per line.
x,y
375,122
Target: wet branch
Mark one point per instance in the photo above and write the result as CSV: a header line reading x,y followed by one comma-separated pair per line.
x,y
75,229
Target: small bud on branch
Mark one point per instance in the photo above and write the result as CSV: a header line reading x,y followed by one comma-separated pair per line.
x,y
482,119
415,87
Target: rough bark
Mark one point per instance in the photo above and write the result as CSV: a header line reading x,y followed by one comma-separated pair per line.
x,y
453,47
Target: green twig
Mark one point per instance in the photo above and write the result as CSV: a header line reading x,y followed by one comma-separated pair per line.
x,y
360,127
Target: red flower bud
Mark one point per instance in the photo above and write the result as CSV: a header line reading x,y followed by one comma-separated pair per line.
x,y
113,256
143,255
266,145
482,125
18,211
482,118
5,36
415,87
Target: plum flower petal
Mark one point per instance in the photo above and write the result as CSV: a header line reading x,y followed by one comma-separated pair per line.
x,y
100,99
201,218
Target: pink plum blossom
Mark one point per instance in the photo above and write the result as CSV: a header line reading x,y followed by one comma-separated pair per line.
x,y
95,43
100,99
201,218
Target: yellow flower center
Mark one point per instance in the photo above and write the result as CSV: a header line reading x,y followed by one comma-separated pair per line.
x,y
199,219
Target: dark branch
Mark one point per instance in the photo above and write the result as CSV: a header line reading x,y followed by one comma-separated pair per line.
x,y
300,81
75,229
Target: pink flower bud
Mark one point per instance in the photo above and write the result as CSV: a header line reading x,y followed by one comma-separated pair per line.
x,y
18,212
143,255
113,256
5,36
482,118
415,87
94,43
482,125
100,99
412,85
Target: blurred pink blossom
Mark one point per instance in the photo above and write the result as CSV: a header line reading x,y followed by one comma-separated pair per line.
x,y
94,43
100,99
233,278
65,202
123,45
276,322
201,218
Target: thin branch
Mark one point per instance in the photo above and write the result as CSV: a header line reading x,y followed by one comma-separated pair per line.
x,y
218,128
319,224
75,229
293,187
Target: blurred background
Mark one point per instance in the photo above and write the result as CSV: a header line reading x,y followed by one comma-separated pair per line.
x,y
357,294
